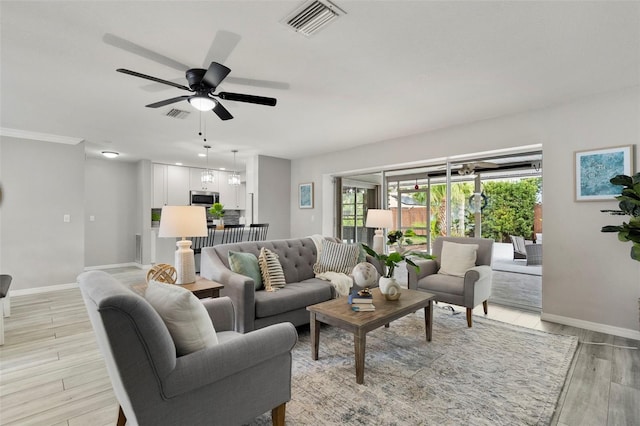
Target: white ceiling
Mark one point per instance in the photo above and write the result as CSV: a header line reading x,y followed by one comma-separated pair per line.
x,y
383,70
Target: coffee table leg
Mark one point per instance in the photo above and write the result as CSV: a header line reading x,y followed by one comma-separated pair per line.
x,y
315,336
428,320
359,340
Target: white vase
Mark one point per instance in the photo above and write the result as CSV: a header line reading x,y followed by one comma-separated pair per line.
x,y
390,288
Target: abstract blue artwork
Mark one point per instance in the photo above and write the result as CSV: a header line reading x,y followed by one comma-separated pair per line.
x,y
305,196
595,168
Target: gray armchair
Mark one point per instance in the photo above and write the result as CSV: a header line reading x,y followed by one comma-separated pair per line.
x,y
467,291
240,378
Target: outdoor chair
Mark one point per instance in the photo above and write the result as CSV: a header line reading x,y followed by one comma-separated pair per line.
x,y
229,382
519,250
458,275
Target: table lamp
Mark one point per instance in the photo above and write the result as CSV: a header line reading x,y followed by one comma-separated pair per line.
x,y
379,219
182,222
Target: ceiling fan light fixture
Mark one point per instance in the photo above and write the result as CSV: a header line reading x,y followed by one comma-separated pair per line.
x,y
202,102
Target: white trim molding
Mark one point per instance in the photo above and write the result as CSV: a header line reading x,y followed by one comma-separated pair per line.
x,y
44,289
117,265
45,137
593,326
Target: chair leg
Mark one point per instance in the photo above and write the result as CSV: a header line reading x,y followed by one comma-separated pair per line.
x,y
469,323
277,415
122,419
485,305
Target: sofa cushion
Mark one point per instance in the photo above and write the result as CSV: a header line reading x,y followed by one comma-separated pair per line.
x,y
442,284
337,257
293,296
456,259
246,264
184,315
271,270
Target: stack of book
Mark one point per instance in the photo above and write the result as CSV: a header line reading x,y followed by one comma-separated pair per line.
x,y
361,303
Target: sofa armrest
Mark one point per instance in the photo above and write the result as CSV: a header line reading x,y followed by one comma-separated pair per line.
x,y
477,284
239,288
221,312
427,267
212,364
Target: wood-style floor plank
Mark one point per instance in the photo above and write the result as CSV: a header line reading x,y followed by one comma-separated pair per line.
x,y
626,363
624,407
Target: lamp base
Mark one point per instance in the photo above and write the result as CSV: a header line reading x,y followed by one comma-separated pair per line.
x,y
185,263
378,242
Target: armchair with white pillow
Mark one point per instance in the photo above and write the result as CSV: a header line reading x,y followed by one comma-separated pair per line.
x,y
460,274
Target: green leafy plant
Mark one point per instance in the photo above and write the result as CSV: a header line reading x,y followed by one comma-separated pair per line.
x,y
397,237
217,210
391,260
629,205
155,217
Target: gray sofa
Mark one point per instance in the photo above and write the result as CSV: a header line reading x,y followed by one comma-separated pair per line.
x,y
230,383
257,309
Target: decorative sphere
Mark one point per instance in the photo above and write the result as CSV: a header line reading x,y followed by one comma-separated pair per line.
x,y
365,275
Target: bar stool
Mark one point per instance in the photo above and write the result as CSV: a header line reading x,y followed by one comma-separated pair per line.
x,y
232,234
258,231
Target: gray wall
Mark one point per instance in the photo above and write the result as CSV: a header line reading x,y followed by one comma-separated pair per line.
x,y
272,177
111,196
588,275
41,183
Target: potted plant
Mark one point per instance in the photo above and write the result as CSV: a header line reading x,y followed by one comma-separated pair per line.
x,y
388,284
217,211
155,219
629,205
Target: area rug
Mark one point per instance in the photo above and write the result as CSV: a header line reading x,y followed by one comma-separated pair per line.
x,y
491,374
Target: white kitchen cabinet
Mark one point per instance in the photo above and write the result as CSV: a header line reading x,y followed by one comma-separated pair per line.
x,y
195,181
233,197
177,186
159,186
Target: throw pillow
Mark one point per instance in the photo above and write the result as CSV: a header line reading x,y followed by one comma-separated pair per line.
x,y
456,258
272,273
246,264
184,315
337,257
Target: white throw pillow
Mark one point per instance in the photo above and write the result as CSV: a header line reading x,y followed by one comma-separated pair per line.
x,y
337,257
184,315
456,259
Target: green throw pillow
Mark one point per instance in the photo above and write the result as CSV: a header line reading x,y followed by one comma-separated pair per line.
x,y
247,265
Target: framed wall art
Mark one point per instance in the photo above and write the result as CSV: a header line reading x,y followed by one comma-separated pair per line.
x,y
593,169
305,195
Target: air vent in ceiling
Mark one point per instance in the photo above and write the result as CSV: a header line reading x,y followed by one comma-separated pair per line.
x,y
312,16
177,113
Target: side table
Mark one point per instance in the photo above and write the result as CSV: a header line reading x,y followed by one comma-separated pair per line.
x,y
204,288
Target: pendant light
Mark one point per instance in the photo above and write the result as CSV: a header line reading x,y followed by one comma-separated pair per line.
x,y
207,176
234,177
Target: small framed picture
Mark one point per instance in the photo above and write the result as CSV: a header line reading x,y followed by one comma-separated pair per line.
x,y
305,196
593,169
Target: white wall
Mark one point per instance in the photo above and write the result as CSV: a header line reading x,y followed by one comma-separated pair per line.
x,y
111,196
41,183
271,177
588,276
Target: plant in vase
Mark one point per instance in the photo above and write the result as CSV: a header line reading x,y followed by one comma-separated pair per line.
x,y
400,239
389,287
629,204
217,211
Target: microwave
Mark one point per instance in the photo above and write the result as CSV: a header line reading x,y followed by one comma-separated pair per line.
x,y
203,198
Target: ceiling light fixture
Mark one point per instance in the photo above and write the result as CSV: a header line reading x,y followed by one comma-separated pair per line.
x,y
110,154
202,102
234,177
207,176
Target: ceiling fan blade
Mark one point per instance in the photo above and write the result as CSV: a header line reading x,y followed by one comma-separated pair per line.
x,y
156,79
136,49
167,101
223,44
215,74
261,100
222,112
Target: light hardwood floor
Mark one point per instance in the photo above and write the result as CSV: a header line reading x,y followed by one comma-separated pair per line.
x,y
51,372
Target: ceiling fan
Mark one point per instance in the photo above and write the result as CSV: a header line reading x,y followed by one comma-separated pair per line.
x,y
203,84
469,168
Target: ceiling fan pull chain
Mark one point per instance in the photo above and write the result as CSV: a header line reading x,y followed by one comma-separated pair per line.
x,y
200,124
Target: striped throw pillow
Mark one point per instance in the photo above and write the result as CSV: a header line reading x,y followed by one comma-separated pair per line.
x,y
337,257
271,270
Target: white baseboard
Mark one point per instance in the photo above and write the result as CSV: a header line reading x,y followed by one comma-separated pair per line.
x,y
593,326
43,289
117,265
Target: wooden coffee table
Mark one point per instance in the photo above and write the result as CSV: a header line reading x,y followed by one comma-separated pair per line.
x,y
337,312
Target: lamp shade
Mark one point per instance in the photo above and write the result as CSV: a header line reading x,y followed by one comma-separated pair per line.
x,y
183,221
376,218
